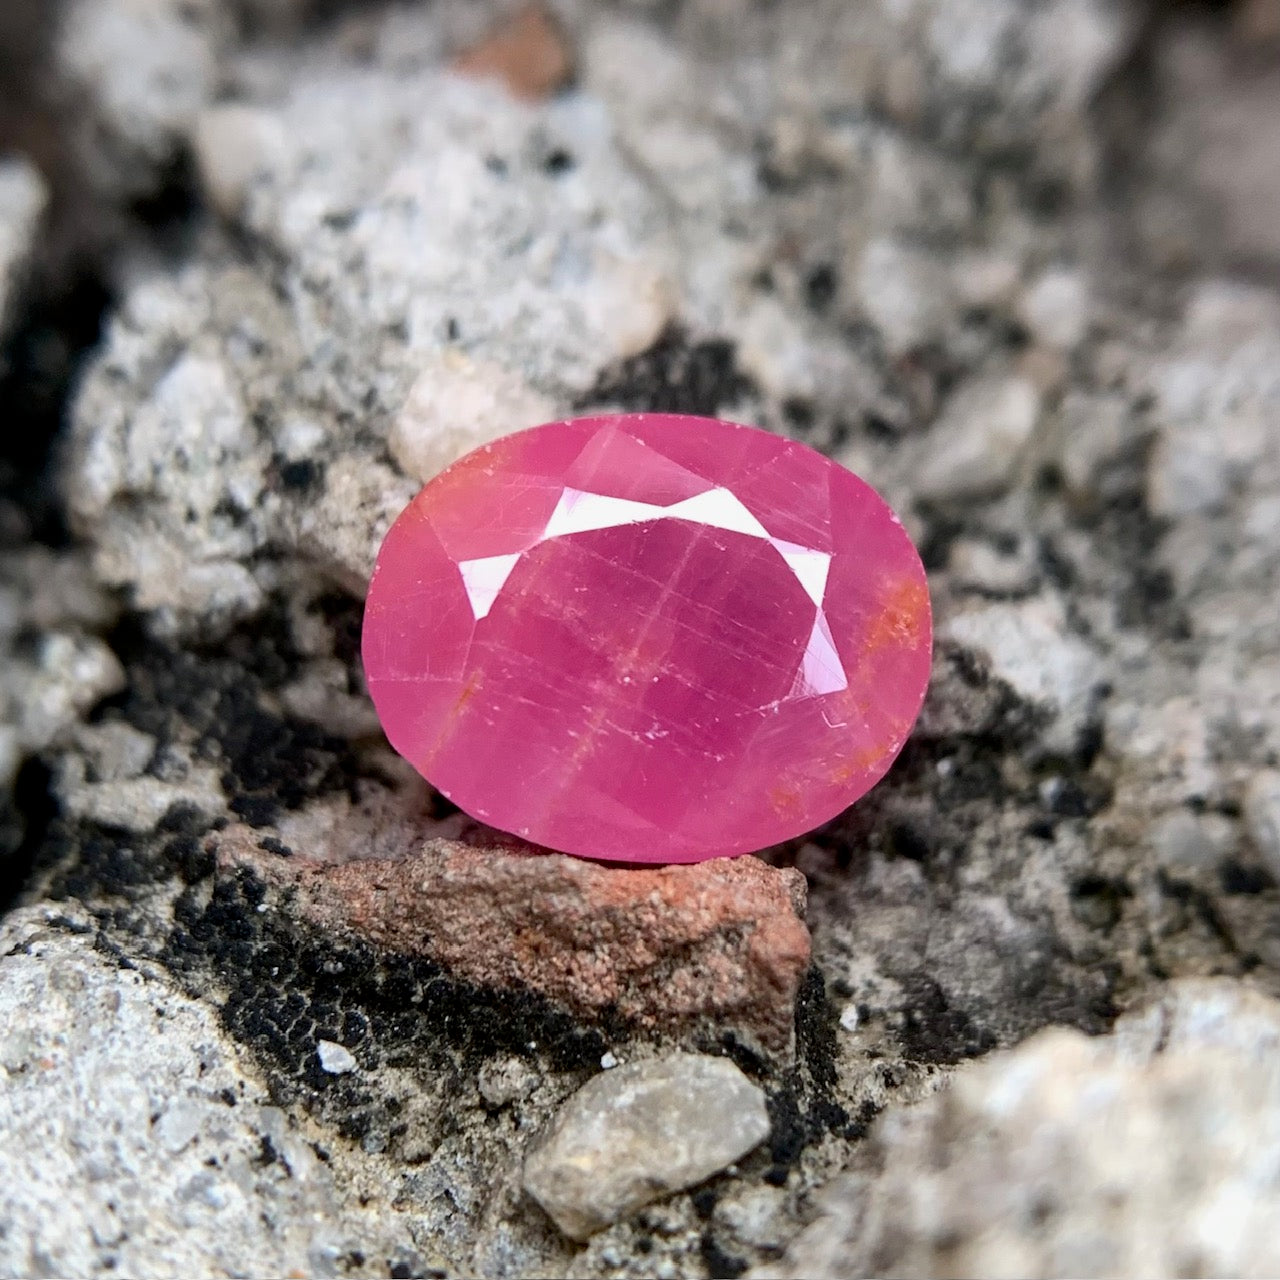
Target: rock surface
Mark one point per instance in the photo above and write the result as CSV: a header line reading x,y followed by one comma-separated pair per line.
x,y
1262,816
1147,1152
135,75
979,439
641,1131
22,199
148,1147
55,669
686,950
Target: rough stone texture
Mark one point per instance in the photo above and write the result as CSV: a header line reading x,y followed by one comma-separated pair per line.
x,y
134,74
1262,818
53,669
455,405
710,948
113,778
22,199
846,222
233,143
981,435
1147,1152
1213,159
138,1142
639,1132
1031,649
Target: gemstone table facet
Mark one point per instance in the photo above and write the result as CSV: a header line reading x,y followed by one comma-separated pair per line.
x,y
648,637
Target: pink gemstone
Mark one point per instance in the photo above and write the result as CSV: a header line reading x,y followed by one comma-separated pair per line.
x,y
648,637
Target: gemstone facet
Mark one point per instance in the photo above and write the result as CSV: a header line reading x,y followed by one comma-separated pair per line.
x,y
648,637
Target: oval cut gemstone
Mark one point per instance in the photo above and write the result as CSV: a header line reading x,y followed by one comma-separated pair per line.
x,y
648,637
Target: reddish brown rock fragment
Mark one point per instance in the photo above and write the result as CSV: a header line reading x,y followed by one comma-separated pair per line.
x,y
528,52
713,946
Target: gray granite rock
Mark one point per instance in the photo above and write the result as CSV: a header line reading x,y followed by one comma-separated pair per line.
x,y
1262,817
1030,646
979,439
641,1131
136,1141
1211,164
55,668
1149,1151
133,77
22,200
1055,308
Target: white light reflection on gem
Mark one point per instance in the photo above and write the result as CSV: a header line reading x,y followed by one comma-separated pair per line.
x,y
484,578
821,670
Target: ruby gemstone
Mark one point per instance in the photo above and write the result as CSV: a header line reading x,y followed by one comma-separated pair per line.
x,y
648,637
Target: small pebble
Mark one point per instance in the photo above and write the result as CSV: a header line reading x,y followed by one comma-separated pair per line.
x,y
756,1216
976,446
1056,308
456,404
335,1059
1191,841
234,144
639,1132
